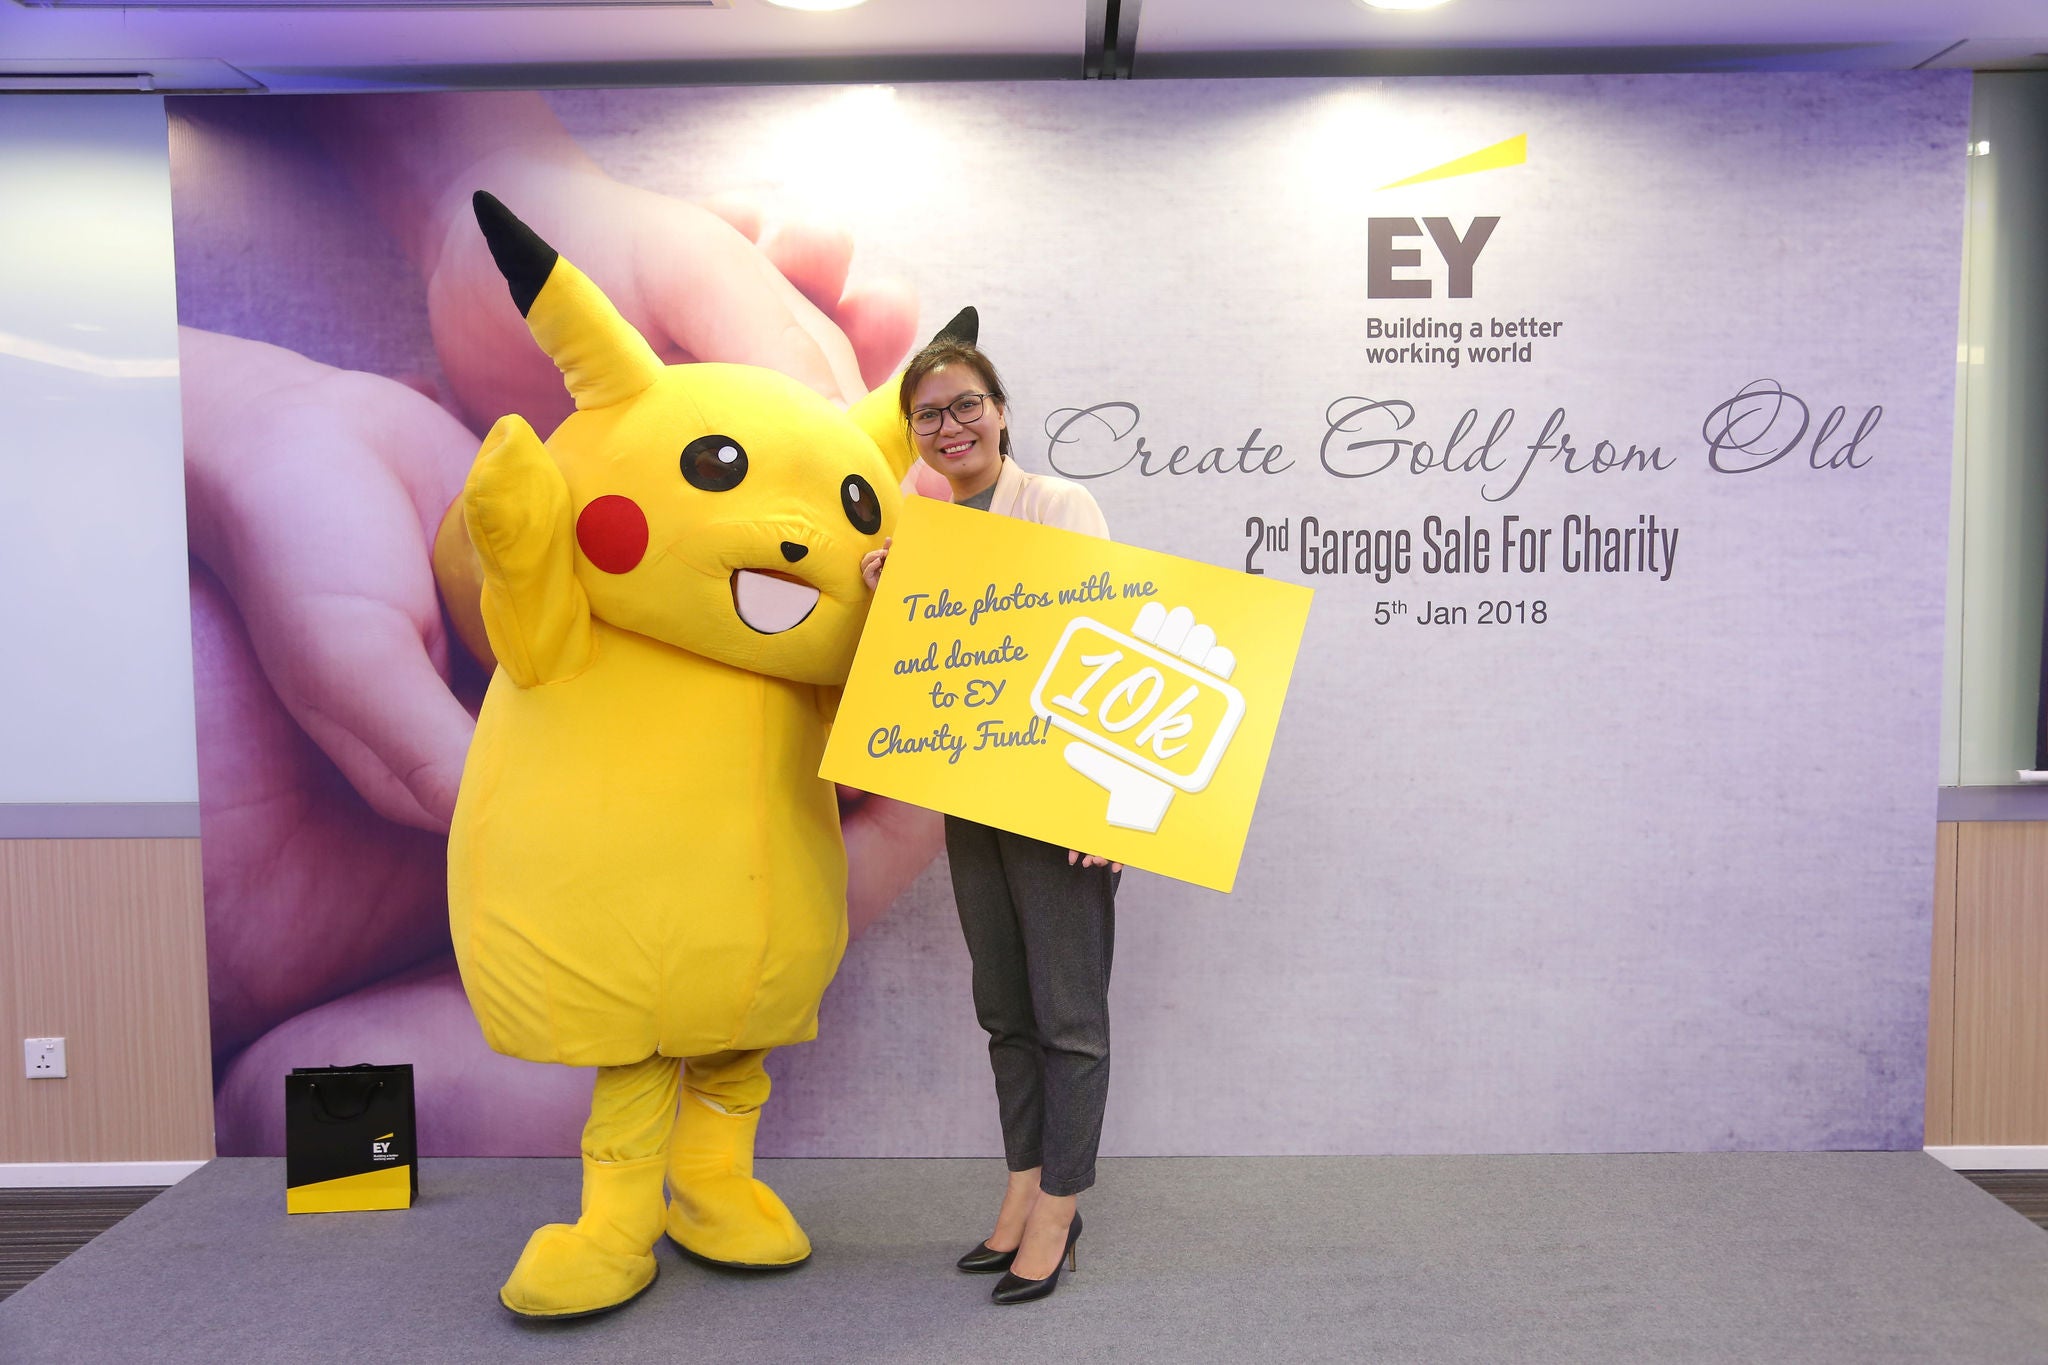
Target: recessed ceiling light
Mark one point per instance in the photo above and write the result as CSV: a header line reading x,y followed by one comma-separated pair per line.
x,y
1403,4
820,6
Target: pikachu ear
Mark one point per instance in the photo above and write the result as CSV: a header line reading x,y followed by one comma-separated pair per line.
x,y
965,326
881,417
880,414
602,359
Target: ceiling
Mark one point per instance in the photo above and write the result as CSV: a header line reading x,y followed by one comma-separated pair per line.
x,y
341,45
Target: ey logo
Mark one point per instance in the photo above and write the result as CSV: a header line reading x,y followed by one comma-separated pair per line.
x,y
1383,257
380,1148
1150,712
1389,262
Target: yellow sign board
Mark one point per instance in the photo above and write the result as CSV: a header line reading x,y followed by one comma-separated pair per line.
x,y
1095,695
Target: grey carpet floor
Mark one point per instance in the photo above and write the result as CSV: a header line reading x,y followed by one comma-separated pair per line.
x,y
1812,1257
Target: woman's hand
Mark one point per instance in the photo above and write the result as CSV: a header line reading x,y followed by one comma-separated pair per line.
x,y
871,564
1090,860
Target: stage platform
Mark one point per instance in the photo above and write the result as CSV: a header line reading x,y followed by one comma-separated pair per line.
x,y
1804,1258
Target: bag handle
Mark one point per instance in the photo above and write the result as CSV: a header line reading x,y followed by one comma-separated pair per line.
x,y
320,1103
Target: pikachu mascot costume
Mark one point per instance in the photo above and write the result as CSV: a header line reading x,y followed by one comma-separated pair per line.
x,y
645,872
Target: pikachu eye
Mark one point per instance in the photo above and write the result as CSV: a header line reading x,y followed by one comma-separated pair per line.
x,y
715,464
863,508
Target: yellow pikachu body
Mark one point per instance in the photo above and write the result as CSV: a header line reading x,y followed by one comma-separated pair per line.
x,y
643,857
645,872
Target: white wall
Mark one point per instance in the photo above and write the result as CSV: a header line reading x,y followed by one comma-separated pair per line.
x,y
95,633
1999,522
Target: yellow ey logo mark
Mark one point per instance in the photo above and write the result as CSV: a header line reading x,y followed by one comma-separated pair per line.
x,y
1510,152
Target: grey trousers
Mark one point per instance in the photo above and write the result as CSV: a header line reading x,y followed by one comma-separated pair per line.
x,y
1040,933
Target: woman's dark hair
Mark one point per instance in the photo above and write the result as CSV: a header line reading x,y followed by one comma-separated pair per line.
x,y
945,351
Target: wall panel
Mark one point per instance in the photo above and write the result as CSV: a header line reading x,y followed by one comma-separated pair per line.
x,y
102,942
2001,985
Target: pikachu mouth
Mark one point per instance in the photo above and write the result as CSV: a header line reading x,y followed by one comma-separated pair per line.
x,y
770,602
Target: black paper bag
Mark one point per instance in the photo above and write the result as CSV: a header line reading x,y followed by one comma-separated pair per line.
x,y
349,1139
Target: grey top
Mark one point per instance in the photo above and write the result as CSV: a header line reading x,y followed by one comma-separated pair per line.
x,y
980,500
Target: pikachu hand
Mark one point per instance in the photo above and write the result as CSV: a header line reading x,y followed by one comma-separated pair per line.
x,y
515,502
516,509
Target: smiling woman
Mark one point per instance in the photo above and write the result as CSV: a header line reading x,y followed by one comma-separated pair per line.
x,y
1038,927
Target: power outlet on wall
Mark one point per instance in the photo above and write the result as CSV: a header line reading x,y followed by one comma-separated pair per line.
x,y
43,1058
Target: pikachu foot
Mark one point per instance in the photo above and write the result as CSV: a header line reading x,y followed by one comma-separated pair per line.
x,y
564,1274
717,1211
603,1259
737,1223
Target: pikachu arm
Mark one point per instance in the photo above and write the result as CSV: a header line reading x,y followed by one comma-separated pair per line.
x,y
516,509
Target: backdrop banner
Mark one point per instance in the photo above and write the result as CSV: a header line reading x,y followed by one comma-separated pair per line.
x,y
1609,418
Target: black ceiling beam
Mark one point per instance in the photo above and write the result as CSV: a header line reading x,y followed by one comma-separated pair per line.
x,y
1110,41
1516,61
600,75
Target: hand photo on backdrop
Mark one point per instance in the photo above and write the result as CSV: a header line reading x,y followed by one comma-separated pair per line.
x,y
335,706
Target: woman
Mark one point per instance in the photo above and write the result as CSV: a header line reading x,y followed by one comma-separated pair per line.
x,y
1039,920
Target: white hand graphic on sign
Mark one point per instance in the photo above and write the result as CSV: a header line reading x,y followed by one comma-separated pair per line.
x,y
1150,711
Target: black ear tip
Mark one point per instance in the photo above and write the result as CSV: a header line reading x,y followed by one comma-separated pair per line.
x,y
965,326
497,221
523,258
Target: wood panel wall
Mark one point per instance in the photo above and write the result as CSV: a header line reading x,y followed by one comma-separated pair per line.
x,y
1987,1068
102,943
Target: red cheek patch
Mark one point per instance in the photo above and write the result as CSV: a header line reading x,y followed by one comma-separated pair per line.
x,y
613,533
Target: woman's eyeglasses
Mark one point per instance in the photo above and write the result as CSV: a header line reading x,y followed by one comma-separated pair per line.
x,y
966,408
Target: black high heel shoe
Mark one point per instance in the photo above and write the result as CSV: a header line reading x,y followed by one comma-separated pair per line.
x,y
986,1260
1014,1288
